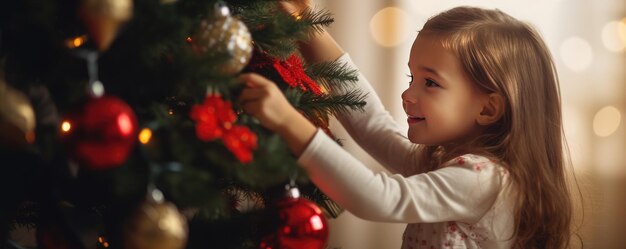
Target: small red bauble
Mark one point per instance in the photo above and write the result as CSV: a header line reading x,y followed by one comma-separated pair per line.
x,y
302,225
102,134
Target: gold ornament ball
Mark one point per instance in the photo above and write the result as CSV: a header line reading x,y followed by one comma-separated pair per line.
x,y
224,34
157,225
103,19
17,118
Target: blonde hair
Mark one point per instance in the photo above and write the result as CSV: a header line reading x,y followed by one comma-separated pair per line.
x,y
503,55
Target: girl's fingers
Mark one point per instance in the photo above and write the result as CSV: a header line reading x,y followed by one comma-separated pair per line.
x,y
249,94
254,80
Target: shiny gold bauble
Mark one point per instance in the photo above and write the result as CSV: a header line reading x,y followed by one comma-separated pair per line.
x,y
17,118
224,34
156,225
103,19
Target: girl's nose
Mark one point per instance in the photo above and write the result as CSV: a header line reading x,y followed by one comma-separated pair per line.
x,y
408,96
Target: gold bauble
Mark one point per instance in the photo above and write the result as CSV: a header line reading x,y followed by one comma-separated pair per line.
x,y
224,34
103,19
157,225
17,118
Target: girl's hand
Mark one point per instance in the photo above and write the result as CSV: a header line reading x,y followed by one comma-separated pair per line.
x,y
295,6
262,99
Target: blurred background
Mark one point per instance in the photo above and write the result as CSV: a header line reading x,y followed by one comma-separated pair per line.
x,y
587,40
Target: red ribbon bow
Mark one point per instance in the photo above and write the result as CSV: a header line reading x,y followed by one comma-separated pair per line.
x,y
215,119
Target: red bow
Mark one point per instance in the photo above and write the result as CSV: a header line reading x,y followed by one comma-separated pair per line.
x,y
215,119
292,71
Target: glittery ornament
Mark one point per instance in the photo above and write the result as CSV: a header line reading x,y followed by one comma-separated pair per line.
x,y
157,224
17,118
301,224
103,19
102,134
223,34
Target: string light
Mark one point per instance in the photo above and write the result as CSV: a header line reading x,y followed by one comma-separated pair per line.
x,y
76,41
103,242
66,126
145,135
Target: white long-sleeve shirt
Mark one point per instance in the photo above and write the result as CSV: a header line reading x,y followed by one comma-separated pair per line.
x,y
466,202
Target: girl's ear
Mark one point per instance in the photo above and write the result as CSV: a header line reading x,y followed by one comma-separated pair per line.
x,y
492,111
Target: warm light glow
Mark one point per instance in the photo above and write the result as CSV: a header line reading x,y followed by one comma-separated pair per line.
x,y
606,121
576,53
100,239
76,41
124,124
189,39
388,26
621,30
316,223
170,112
66,126
611,36
145,135
105,244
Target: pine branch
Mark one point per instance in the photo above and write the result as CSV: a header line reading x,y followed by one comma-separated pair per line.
x,y
317,19
276,32
333,104
332,75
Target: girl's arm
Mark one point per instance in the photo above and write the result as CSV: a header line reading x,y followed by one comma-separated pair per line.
x,y
377,132
373,129
463,191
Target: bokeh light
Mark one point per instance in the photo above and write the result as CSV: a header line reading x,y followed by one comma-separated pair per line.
x,y
611,36
389,26
606,121
576,53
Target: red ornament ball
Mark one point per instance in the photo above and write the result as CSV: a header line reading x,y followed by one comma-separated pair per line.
x,y
302,226
102,134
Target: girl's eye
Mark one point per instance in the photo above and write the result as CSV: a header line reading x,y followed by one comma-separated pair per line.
x,y
431,83
411,78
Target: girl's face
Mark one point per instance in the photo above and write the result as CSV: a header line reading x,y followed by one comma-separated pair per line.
x,y
442,103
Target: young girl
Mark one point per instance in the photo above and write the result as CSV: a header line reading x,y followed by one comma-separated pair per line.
x,y
483,165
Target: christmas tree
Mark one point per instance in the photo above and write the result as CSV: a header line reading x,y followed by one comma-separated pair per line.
x,y
120,126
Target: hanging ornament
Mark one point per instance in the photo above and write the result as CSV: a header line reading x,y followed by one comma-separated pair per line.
x,y
17,118
215,119
223,34
301,224
102,134
157,224
103,19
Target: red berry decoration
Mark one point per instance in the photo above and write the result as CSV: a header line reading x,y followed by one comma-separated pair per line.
x,y
302,225
102,134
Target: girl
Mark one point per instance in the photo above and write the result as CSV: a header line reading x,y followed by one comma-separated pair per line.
x,y
483,165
